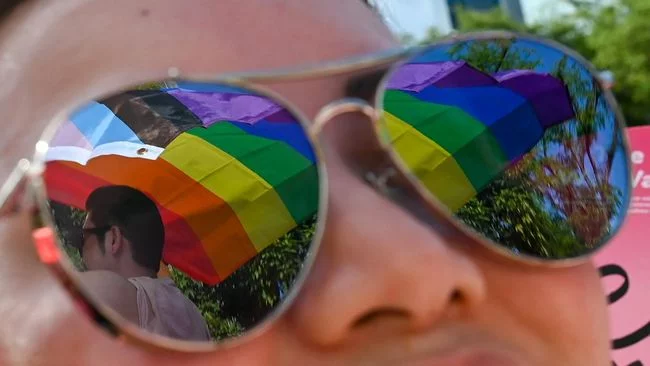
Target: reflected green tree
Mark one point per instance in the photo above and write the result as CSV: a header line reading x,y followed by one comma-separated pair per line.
x,y
209,303
494,56
68,222
507,212
255,289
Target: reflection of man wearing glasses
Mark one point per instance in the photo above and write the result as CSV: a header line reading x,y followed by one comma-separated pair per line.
x,y
122,246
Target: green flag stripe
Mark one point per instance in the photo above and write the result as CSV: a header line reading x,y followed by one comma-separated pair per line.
x,y
293,177
469,141
448,126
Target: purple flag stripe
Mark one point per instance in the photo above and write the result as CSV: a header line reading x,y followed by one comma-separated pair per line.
x,y
211,107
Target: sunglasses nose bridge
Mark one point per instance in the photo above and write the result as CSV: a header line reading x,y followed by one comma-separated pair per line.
x,y
339,107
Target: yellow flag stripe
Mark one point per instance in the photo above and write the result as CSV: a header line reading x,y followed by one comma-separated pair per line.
x,y
430,163
257,205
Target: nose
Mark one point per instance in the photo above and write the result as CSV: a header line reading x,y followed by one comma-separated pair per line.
x,y
379,261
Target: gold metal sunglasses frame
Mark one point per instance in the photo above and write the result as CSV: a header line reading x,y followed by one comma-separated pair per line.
x,y
24,188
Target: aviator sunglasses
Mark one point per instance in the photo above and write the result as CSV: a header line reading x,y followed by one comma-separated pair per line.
x,y
509,137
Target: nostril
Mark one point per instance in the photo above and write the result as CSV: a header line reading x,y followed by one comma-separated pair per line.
x,y
456,297
372,316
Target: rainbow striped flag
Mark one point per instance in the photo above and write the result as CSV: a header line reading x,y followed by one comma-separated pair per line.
x,y
230,171
458,128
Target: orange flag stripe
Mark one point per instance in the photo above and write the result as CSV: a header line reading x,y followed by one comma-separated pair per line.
x,y
72,186
224,239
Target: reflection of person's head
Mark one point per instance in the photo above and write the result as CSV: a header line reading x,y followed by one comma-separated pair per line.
x,y
123,232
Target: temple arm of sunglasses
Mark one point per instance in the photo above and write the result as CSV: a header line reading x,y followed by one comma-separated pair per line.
x,y
13,192
322,69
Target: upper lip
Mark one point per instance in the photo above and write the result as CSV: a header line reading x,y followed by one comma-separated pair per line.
x,y
469,356
453,346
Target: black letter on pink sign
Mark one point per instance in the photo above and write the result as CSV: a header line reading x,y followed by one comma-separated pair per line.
x,y
636,336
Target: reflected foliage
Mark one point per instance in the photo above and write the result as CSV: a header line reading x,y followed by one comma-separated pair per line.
x,y
507,212
494,56
256,288
251,293
68,222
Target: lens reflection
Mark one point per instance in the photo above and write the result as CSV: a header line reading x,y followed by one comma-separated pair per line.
x,y
194,204
516,138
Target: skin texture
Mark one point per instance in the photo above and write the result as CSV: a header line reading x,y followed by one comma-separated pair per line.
x,y
364,301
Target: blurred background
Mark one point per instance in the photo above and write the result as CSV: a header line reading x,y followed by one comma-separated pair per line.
x,y
613,34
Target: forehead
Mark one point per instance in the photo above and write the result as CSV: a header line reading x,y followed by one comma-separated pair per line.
x,y
145,38
57,54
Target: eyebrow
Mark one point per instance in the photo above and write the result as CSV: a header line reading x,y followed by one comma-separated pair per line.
x,y
365,86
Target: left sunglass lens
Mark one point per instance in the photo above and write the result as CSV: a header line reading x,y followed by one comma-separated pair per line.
x,y
210,189
517,139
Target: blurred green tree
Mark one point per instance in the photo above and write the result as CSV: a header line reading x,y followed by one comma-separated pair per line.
x,y
609,34
620,40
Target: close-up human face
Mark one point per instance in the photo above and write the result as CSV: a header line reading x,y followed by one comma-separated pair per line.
x,y
440,299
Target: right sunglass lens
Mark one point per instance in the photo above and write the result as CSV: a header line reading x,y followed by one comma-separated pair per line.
x,y
202,196
516,138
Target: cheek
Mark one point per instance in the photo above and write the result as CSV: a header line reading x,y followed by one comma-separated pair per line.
x,y
90,254
565,309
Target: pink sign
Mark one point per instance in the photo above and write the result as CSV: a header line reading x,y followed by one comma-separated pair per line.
x,y
625,265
